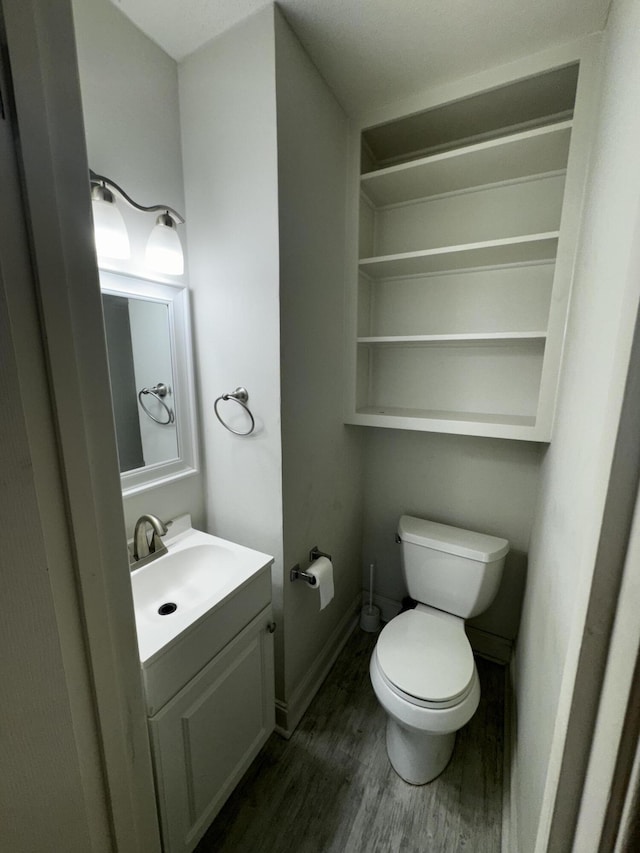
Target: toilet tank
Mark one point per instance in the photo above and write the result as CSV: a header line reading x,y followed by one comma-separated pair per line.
x,y
455,570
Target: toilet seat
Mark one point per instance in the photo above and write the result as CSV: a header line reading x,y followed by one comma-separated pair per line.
x,y
424,656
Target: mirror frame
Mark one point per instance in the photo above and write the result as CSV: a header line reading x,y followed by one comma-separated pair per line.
x,y
176,297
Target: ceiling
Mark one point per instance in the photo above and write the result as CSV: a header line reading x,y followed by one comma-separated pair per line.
x,y
372,52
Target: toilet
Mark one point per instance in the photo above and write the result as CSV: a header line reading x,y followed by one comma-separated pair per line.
x,y
422,668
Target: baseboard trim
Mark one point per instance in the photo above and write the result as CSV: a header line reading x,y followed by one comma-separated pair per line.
x,y
289,714
490,646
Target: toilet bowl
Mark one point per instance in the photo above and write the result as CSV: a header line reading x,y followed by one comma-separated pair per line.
x,y
422,668
424,676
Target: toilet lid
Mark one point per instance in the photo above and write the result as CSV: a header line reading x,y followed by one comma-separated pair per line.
x,y
426,655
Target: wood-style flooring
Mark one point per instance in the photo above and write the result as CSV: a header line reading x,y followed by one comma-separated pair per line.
x,y
331,787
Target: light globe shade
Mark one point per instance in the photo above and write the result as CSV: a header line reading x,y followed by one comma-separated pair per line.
x,y
164,250
112,240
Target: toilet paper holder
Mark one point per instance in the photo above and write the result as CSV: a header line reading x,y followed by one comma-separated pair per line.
x,y
297,573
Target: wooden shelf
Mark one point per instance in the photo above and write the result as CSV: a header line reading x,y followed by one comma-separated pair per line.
x,y
489,253
473,338
531,152
462,423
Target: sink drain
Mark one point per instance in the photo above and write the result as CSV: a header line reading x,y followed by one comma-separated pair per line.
x,y
166,609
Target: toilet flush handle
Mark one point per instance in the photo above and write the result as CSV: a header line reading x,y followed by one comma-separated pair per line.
x,y
398,539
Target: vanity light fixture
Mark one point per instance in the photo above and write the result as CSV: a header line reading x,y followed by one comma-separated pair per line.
x,y
164,250
112,240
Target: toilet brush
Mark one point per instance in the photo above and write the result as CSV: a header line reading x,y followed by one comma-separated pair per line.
x,y
370,615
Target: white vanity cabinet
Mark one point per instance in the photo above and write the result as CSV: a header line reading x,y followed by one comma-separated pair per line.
x,y
468,214
206,736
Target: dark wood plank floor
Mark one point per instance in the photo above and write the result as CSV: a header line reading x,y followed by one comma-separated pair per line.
x,y
331,789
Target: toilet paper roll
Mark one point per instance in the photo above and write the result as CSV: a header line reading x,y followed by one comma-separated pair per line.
x,y
322,571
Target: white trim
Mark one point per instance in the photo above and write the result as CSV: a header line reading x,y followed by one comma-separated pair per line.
x,y
470,190
417,164
473,338
35,536
584,116
608,744
43,61
176,298
289,714
488,645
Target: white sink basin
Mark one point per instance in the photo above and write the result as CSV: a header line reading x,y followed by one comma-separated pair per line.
x,y
207,588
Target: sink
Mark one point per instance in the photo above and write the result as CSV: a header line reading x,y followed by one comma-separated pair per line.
x,y
198,572
190,602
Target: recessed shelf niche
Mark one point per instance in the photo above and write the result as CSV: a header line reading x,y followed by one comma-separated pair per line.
x,y
460,225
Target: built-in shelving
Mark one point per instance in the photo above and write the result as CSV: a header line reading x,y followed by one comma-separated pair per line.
x,y
488,253
532,152
458,308
462,423
453,339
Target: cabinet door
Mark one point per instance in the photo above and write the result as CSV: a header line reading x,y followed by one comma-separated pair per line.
x,y
204,739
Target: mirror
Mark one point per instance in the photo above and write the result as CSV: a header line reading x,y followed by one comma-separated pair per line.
x,y
149,350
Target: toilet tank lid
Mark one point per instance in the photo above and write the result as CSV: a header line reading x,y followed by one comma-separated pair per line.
x,y
453,540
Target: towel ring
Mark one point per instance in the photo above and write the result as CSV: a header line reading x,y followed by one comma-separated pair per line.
x,y
158,392
240,396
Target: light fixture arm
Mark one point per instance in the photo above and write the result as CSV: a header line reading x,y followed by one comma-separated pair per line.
x,y
98,180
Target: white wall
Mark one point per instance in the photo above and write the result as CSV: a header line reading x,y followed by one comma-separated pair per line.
x,y
322,496
131,114
488,485
576,468
228,117
264,159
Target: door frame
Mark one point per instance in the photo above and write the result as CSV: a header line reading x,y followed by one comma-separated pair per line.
x,y
52,156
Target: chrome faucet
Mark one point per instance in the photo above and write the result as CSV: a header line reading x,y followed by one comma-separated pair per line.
x,y
141,546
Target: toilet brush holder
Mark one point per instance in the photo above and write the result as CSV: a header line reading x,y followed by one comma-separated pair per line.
x,y
370,618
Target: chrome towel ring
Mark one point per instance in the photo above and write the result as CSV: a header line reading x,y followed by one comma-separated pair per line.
x,y
158,392
240,396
